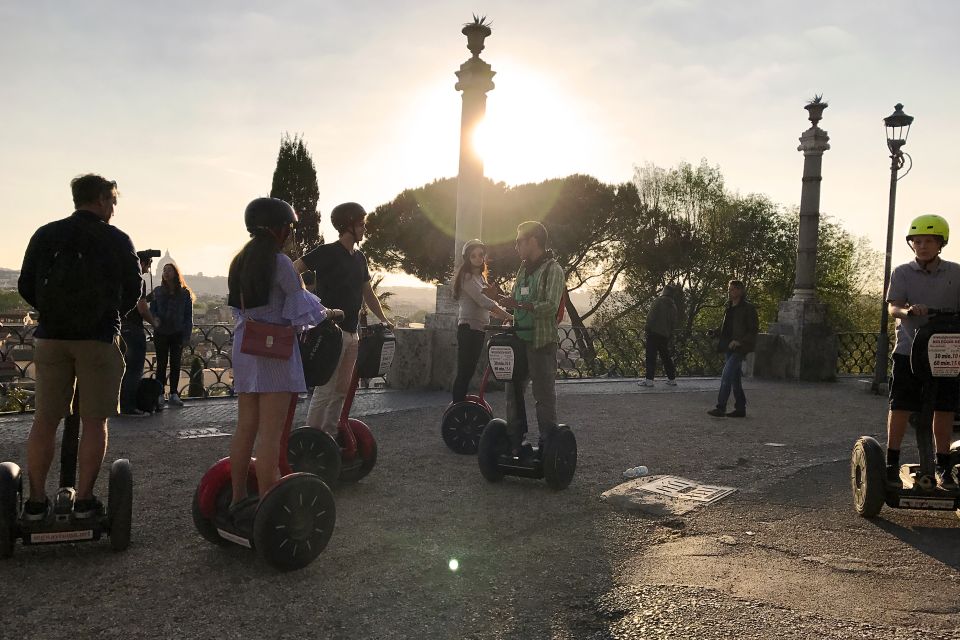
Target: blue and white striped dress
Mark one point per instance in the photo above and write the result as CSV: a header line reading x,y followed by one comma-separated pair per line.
x,y
290,304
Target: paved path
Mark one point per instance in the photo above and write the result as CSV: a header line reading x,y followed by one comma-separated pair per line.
x,y
784,557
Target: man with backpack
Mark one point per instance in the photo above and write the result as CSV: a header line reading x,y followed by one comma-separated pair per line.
x,y
82,275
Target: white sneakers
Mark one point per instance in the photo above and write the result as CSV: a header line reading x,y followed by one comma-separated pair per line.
x,y
175,400
646,382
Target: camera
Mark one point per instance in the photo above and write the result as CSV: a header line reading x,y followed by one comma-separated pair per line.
x,y
148,254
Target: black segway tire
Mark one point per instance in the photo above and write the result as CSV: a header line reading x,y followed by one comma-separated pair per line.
x,y
11,485
366,451
120,504
206,528
955,453
294,522
462,425
868,477
494,442
314,451
560,459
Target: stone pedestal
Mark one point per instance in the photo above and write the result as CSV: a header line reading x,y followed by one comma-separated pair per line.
x,y
800,345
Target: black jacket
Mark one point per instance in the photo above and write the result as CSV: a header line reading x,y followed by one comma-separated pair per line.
x,y
740,323
124,269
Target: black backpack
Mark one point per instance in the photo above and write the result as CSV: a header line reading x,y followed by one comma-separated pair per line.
x,y
77,286
148,395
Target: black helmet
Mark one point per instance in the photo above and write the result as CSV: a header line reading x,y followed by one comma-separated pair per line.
x,y
345,215
268,213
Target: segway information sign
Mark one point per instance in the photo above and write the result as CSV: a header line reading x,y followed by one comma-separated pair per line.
x,y
386,356
943,351
502,361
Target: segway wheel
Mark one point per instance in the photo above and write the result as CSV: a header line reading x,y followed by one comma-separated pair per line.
x,y
868,480
955,453
294,522
11,485
494,442
206,528
313,451
560,459
120,504
366,451
462,425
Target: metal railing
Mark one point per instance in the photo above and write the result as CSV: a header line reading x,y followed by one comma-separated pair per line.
x,y
207,368
857,353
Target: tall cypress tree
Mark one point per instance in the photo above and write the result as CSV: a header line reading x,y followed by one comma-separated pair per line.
x,y
295,180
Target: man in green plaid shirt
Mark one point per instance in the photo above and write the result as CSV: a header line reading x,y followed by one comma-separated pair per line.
x,y
535,300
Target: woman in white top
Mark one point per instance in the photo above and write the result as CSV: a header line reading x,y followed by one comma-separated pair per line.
x,y
475,310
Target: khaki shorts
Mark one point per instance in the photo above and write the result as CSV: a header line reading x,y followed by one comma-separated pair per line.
x,y
96,367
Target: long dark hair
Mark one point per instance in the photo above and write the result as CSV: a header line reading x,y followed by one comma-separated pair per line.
x,y
251,271
467,267
179,284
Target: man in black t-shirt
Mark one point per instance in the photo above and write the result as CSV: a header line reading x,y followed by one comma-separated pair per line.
x,y
342,282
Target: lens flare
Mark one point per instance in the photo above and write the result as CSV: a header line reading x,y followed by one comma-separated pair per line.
x,y
454,564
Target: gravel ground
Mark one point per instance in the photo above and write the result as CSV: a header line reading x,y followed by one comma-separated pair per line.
x,y
533,563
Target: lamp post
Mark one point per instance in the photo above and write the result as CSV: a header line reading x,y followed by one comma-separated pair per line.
x,y
898,128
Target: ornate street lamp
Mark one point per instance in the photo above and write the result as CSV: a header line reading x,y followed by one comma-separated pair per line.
x,y
898,128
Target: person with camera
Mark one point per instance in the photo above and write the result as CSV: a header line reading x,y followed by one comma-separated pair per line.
x,y
135,340
82,274
342,282
737,337
172,309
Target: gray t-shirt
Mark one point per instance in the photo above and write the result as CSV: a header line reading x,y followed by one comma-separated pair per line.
x,y
912,284
475,307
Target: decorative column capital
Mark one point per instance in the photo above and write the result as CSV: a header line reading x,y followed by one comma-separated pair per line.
x,y
475,75
814,141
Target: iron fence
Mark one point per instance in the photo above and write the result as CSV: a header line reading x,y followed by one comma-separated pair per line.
x,y
857,353
207,369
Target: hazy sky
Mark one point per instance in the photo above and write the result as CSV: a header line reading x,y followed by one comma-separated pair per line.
x,y
184,103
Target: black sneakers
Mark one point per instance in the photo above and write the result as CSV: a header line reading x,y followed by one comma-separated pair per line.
x,y
737,413
893,477
717,413
36,511
86,509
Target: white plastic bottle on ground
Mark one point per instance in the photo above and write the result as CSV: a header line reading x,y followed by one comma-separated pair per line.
x,y
635,472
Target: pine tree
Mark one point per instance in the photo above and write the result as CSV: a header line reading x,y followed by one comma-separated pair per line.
x,y
295,180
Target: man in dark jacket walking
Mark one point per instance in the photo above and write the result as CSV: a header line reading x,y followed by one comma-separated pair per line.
x,y
662,321
738,337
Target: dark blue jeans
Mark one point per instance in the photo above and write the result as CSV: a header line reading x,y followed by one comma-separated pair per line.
x,y
134,356
657,344
730,379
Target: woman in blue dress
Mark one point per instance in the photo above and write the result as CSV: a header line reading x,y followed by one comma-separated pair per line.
x,y
264,286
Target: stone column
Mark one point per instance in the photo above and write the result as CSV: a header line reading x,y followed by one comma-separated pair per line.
x,y
474,80
813,143
800,344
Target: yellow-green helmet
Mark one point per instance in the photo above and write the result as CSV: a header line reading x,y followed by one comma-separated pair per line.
x,y
929,225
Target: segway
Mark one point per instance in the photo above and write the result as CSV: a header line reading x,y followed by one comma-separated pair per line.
x,y
60,525
555,459
935,354
354,452
463,422
289,527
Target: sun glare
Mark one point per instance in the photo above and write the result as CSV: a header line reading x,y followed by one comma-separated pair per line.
x,y
532,130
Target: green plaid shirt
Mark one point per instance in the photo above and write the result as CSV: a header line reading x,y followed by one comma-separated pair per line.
x,y
544,288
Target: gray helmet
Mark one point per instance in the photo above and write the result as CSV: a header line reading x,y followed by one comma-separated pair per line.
x,y
345,215
470,245
268,213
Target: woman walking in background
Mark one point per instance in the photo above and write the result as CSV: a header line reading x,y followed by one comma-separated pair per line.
x,y
474,314
172,307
